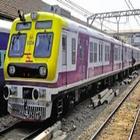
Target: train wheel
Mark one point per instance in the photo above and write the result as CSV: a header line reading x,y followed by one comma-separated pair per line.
x,y
57,108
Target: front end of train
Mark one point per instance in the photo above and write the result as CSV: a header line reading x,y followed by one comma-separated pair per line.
x,y
31,65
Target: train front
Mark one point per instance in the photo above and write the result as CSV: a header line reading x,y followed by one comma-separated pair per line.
x,y
31,65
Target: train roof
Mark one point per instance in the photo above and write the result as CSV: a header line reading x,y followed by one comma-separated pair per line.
x,y
93,32
74,25
5,26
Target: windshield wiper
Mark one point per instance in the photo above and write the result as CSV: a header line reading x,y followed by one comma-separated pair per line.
x,y
16,37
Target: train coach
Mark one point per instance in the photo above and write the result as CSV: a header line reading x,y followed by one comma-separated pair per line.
x,y
4,35
52,60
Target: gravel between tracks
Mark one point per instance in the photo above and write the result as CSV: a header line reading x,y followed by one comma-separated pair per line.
x,y
83,121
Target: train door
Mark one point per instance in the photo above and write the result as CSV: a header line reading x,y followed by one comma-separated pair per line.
x,y
123,58
64,57
83,55
112,55
101,57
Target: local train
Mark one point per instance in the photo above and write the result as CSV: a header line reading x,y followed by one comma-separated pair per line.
x,y
51,61
4,35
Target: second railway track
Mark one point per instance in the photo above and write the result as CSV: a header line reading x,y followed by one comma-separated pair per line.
x,y
116,125
135,131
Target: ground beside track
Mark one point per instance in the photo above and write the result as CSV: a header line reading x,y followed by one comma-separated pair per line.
x,y
119,127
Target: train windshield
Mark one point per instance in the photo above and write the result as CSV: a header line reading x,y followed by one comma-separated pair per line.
x,y
17,45
43,45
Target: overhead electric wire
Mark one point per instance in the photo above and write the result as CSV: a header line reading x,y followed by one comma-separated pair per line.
x,y
71,7
84,12
132,7
127,4
89,13
79,7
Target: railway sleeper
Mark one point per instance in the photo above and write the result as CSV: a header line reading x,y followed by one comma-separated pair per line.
x,y
101,94
95,103
117,92
104,98
109,99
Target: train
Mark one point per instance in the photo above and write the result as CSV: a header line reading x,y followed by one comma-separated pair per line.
x,y
52,62
4,35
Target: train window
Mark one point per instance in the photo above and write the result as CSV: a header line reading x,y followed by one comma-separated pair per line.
x,y
43,24
116,54
43,45
23,26
64,50
73,50
17,45
95,52
107,53
100,52
130,55
91,52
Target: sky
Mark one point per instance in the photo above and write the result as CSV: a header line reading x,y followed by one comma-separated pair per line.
x,y
98,6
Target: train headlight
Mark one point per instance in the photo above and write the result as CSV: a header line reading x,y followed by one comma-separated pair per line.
x,y
35,94
42,93
11,70
42,71
6,93
34,15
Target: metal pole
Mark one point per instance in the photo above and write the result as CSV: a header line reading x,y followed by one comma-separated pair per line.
x,y
101,21
118,20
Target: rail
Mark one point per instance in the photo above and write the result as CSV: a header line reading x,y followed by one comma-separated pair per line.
x,y
113,112
10,127
134,125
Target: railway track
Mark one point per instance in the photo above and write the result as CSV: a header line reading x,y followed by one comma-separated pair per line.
x,y
21,131
10,127
104,124
133,130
